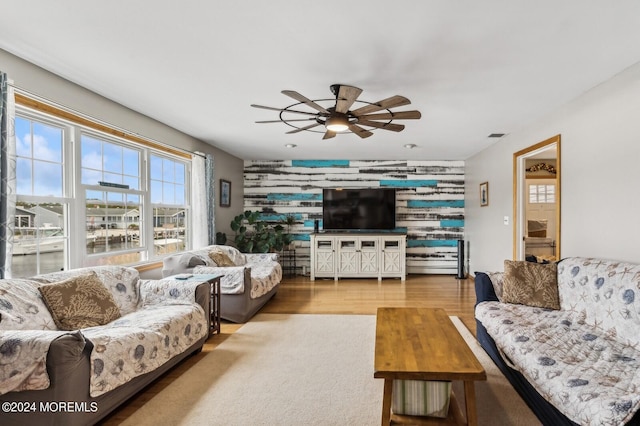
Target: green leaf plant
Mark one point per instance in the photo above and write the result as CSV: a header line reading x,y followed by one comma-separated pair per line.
x,y
254,235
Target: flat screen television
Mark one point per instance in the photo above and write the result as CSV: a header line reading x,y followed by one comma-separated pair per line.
x,y
358,209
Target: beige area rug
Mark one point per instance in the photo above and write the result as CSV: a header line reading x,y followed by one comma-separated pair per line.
x,y
303,370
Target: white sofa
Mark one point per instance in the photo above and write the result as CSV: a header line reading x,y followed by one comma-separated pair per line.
x,y
245,287
579,364
97,368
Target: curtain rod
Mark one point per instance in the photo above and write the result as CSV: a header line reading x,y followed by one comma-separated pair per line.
x,y
99,121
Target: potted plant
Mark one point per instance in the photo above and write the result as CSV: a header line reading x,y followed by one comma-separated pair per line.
x,y
253,235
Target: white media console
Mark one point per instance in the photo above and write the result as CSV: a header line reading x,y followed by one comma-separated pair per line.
x,y
362,255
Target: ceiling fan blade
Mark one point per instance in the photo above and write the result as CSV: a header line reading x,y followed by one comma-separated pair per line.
x,y
284,110
329,134
282,121
298,97
311,126
387,126
392,102
363,133
400,115
347,95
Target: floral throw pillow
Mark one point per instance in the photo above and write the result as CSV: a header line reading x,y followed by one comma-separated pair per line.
x,y
221,259
531,284
80,302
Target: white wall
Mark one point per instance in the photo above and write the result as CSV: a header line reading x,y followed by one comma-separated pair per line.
x,y
600,174
36,80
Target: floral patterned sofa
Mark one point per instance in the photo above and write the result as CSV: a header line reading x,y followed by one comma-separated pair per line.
x,y
249,281
577,362
50,375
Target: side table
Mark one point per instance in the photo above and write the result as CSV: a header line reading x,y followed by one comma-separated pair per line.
x,y
214,281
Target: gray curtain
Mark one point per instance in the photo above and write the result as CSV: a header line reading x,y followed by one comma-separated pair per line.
x,y
211,200
7,176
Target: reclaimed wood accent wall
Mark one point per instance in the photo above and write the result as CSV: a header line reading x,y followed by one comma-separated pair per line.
x,y
429,203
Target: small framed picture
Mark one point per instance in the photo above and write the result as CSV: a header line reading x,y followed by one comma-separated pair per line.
x,y
484,194
225,193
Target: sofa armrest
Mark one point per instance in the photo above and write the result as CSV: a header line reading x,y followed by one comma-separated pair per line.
x,y
484,288
236,279
65,357
261,257
175,292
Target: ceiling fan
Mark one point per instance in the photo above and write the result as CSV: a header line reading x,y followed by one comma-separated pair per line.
x,y
338,118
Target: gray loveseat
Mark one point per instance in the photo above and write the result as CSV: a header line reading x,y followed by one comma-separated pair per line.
x,y
54,377
250,282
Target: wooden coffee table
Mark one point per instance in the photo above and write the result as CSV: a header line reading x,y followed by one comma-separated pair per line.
x,y
423,344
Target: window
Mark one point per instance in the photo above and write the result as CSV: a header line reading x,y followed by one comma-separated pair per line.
x,y
131,198
38,158
110,163
542,194
40,241
168,196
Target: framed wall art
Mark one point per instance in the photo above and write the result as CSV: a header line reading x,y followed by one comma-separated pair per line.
x,y
484,194
225,193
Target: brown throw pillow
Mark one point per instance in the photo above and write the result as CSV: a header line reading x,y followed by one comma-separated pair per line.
x,y
532,284
80,302
221,259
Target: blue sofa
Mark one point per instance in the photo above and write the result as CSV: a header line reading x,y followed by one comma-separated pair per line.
x,y
513,335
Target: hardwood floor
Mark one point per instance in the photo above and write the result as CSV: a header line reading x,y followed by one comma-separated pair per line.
x,y
299,295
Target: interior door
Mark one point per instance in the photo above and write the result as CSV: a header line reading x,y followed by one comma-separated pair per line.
x,y
549,148
540,216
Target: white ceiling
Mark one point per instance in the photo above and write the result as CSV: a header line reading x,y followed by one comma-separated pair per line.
x,y
471,67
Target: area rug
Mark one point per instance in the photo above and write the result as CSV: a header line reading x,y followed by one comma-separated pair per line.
x,y
298,369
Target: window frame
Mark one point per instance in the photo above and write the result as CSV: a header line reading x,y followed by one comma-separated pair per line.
x,y
74,191
542,198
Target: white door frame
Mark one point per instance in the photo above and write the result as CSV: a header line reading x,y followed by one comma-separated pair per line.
x,y
519,194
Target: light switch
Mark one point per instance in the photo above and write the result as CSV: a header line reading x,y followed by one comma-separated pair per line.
x,y
506,220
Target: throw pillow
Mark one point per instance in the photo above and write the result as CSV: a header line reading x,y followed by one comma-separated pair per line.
x,y
497,279
532,284
80,302
221,259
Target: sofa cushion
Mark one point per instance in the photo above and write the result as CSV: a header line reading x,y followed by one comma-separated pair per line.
x,y
22,307
121,281
606,293
80,302
584,371
143,341
531,284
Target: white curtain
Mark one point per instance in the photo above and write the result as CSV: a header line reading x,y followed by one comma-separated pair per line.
x,y
7,175
200,224
211,199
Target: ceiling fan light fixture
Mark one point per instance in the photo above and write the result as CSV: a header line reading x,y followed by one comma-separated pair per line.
x,y
337,123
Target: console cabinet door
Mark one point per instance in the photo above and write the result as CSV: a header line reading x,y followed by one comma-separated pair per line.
x,y
393,256
358,256
347,256
325,257
368,255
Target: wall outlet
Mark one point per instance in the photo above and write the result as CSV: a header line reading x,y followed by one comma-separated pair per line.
x,y
506,220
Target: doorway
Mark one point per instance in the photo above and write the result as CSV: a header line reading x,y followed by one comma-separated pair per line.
x,y
536,207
